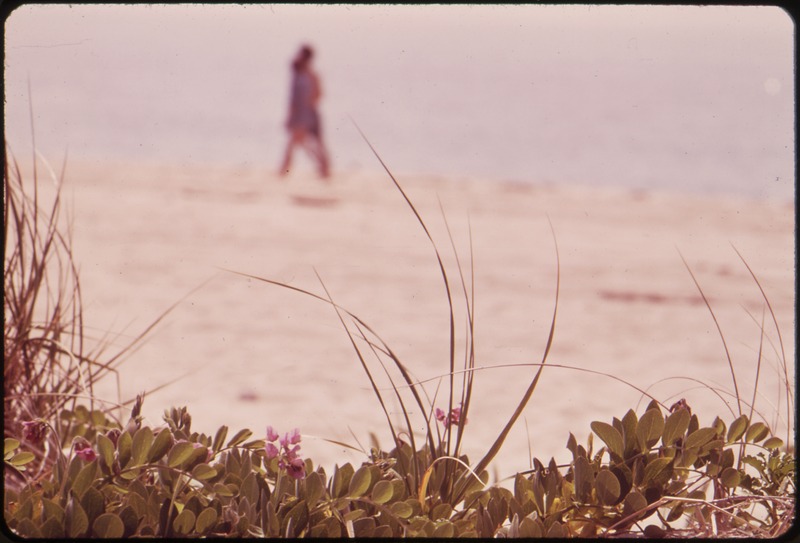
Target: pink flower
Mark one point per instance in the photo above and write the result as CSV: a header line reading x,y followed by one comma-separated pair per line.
x,y
87,455
453,418
296,468
34,430
84,449
288,456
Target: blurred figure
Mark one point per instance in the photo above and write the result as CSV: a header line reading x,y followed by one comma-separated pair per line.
x,y
303,122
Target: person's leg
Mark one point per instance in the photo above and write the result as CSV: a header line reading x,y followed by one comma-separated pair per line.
x,y
295,138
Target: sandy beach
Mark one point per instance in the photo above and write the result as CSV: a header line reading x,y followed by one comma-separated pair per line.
x,y
251,354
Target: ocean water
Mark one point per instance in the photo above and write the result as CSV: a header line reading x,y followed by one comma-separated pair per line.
x,y
686,98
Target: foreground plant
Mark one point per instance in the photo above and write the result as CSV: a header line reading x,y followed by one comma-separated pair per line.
x,y
657,474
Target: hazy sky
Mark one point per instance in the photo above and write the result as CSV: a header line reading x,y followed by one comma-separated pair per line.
x,y
636,95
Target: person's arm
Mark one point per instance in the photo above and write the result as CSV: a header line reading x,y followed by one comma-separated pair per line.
x,y
317,92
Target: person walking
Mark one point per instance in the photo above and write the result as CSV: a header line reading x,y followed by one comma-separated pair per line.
x,y
303,121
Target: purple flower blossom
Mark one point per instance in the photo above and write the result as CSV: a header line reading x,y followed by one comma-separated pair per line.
x,y
296,468
272,451
84,449
453,418
34,430
287,455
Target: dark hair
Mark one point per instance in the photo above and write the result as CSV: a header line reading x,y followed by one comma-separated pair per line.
x,y
306,52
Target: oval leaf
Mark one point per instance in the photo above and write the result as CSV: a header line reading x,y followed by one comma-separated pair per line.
x,y
737,429
219,438
124,448
179,454
675,426
184,522
240,437
106,449
650,428
609,435
10,444
773,443
756,432
654,468
201,472
160,446
315,488
634,502
108,526
22,458
730,477
142,441
607,487
76,521
382,492
700,437
360,482
402,509
206,520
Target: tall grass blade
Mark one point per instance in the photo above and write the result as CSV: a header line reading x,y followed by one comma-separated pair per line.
x,y
721,335
498,443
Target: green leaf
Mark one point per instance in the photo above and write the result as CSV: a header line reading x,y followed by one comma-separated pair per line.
x,y
53,529
84,479
106,449
583,479
108,526
22,458
756,432
530,528
737,429
52,510
295,520
341,480
402,509
444,529
219,439
202,472
184,522
124,448
142,441
773,443
700,437
650,428
610,435
629,424
9,445
93,503
382,492
730,477
360,482
206,519
654,468
315,488
160,446
675,426
634,502
180,453
129,519
240,437
75,520
607,487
